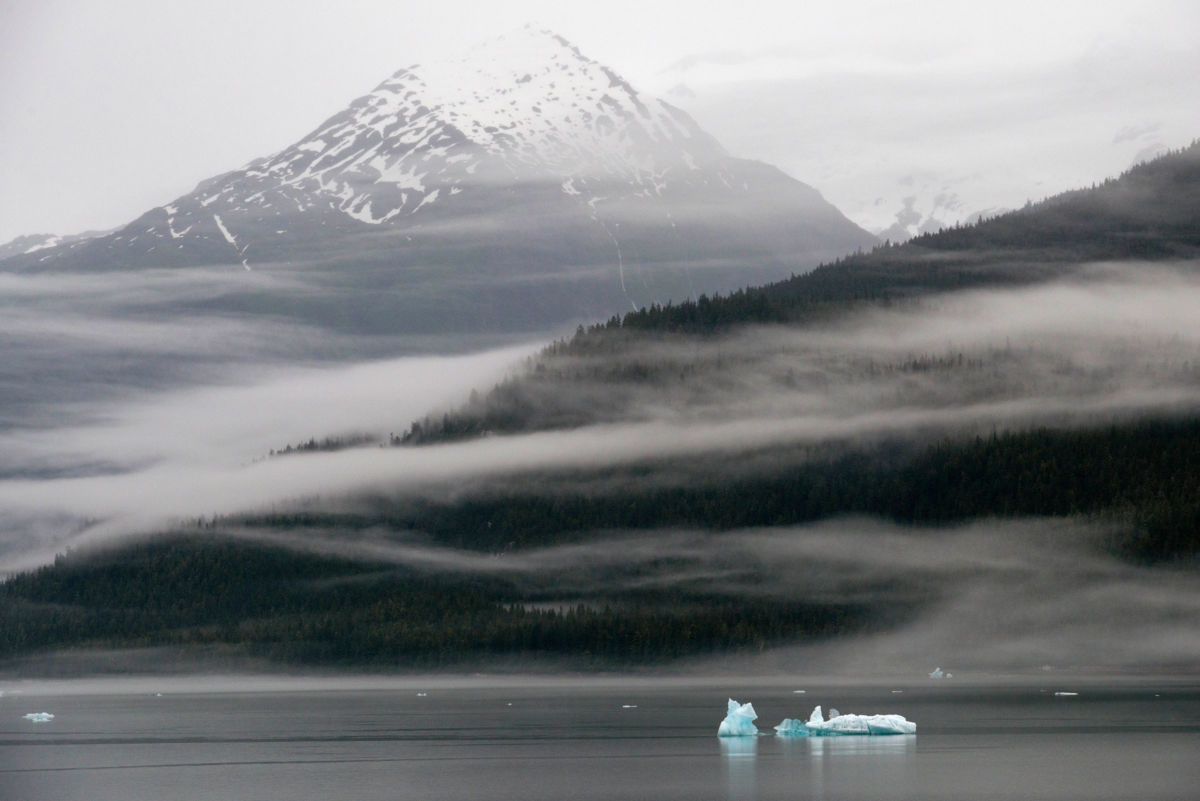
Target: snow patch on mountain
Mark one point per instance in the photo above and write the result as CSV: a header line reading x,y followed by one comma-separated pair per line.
x,y
35,243
229,237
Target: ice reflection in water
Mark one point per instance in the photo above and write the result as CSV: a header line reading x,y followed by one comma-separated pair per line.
x,y
829,755
739,755
899,746
809,763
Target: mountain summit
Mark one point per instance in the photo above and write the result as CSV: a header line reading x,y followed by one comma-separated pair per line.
x,y
524,182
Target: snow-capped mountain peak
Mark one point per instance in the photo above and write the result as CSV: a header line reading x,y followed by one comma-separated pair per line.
x,y
524,167
527,106
532,97
524,106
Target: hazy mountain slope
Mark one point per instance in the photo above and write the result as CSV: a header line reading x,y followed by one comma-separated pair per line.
x,y
1018,421
1151,213
521,186
32,243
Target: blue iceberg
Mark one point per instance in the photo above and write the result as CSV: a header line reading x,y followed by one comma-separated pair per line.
x,y
840,725
739,721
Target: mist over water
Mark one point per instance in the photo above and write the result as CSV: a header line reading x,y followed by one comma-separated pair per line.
x,y
125,374
166,438
986,597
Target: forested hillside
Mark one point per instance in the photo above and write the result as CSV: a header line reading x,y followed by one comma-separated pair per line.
x,y
1040,366
1150,214
235,599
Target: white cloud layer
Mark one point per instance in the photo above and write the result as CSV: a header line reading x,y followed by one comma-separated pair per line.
x,y
1121,342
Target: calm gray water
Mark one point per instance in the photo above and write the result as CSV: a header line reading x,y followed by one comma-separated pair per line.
x,y
562,740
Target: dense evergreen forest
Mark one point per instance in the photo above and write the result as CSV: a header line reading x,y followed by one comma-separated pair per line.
x,y
239,599
1143,476
233,586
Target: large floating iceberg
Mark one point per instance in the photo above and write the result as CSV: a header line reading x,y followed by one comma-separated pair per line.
x,y
840,725
739,721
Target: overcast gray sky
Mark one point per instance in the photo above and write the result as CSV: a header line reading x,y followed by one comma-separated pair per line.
x,y
110,108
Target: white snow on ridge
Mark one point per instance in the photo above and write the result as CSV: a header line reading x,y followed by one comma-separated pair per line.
x,y
177,234
48,243
231,240
224,231
430,198
405,177
361,212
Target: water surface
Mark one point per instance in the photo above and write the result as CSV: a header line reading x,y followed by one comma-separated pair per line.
x,y
596,740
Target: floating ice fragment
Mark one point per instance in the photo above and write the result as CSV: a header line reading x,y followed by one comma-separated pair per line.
x,y
1066,693
894,692
791,727
628,706
39,717
739,721
422,695
797,692
939,674
840,725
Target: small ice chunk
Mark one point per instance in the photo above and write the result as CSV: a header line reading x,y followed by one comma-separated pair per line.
x,y
791,727
797,692
628,706
938,673
1066,693
39,717
739,721
422,695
